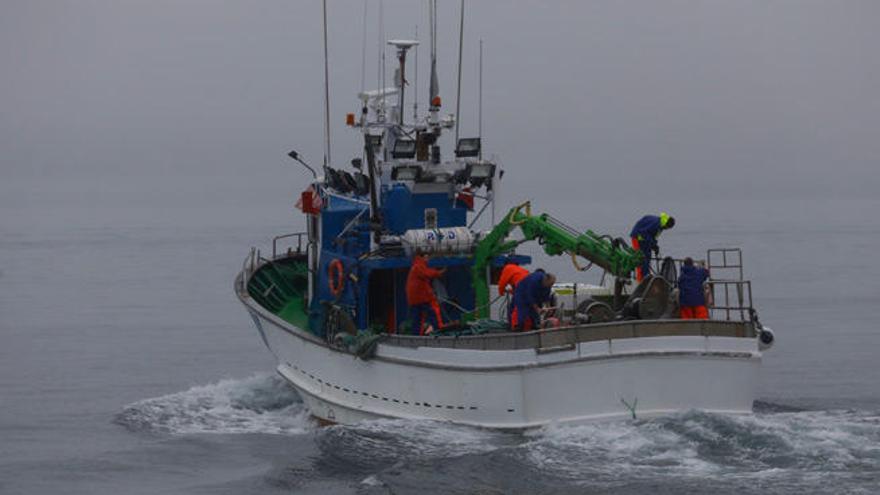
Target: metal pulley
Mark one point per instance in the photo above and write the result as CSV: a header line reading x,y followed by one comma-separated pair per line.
x,y
592,311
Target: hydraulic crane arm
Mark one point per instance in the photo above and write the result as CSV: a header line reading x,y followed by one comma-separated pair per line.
x,y
556,238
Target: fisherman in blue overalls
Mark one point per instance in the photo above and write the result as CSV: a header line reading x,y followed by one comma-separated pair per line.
x,y
530,294
644,238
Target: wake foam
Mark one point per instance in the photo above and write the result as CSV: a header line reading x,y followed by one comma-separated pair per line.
x,y
384,443
808,451
258,404
695,444
779,446
797,445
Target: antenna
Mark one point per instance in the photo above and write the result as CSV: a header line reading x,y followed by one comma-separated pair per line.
x,y
458,95
364,50
382,52
480,104
416,84
379,50
326,94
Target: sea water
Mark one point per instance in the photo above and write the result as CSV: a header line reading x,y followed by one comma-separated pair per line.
x,y
128,366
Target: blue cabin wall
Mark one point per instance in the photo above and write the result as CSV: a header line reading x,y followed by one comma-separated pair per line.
x,y
402,210
335,217
348,296
336,213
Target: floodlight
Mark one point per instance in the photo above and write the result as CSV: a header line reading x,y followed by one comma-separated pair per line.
x,y
468,147
480,170
404,148
406,172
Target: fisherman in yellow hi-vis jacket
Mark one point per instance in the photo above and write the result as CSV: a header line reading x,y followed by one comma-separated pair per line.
x,y
644,238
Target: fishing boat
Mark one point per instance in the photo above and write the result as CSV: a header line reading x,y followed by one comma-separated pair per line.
x,y
330,302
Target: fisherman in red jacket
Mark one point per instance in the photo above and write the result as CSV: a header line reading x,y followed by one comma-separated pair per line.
x,y
511,274
420,295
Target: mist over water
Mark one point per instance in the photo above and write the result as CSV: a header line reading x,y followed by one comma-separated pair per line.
x,y
143,154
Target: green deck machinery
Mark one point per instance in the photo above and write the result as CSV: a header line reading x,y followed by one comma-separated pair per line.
x,y
556,238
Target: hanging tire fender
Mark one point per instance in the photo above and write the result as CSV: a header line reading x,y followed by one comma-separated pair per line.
x,y
766,338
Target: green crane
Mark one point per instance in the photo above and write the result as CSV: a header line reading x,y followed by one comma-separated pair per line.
x,y
556,238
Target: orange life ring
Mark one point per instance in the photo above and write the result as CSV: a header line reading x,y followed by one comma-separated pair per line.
x,y
335,278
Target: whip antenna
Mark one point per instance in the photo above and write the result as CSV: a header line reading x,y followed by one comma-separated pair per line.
x,y
480,104
364,50
382,52
326,94
416,84
458,95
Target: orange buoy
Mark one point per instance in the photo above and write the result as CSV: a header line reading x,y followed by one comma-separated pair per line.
x,y
335,278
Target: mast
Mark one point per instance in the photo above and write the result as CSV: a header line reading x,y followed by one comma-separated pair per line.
x,y
434,86
402,47
375,217
401,57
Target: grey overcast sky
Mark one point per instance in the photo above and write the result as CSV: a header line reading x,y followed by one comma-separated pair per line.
x,y
702,98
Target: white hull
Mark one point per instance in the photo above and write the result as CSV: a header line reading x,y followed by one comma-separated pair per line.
x,y
518,389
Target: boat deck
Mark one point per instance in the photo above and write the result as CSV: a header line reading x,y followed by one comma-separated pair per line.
x,y
280,289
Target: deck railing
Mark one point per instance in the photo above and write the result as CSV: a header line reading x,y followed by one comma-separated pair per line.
x,y
558,339
298,236
254,259
731,294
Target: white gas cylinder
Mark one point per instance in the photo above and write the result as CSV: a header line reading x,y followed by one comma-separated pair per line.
x,y
450,240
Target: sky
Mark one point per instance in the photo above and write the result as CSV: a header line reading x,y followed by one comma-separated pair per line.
x,y
168,102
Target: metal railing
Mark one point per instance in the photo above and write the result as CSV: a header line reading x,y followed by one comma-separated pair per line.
x,y
558,338
725,260
299,243
254,259
737,300
248,267
726,271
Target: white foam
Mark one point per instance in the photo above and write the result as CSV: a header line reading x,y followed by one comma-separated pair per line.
x,y
258,404
372,480
786,445
793,447
422,439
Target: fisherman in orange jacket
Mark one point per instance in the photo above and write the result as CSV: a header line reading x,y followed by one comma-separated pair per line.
x,y
420,295
511,274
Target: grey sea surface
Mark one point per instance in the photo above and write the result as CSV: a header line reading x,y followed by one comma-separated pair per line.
x,y
142,152
128,366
